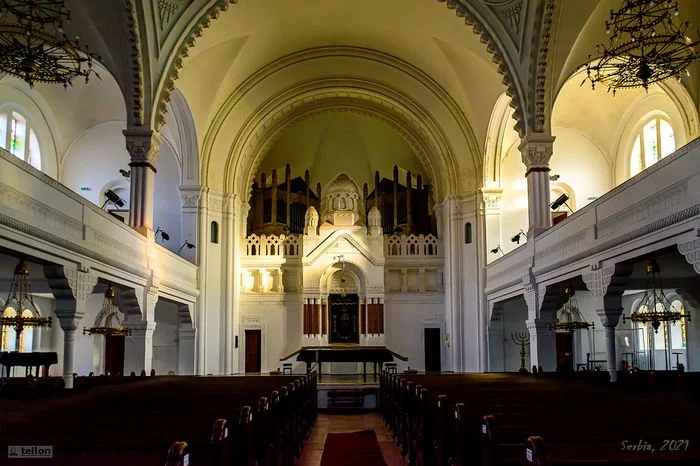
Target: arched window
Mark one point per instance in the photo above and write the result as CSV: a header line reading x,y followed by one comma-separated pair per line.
x,y
19,138
9,336
654,141
26,338
214,232
468,233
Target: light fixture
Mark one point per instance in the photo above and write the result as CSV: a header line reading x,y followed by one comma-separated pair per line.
x,y
655,307
554,177
569,318
497,249
19,300
561,200
34,47
164,236
125,173
646,46
516,238
186,243
112,197
107,322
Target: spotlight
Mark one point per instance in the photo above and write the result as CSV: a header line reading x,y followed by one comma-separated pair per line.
x,y
561,200
186,243
164,236
113,198
496,250
125,173
516,238
554,177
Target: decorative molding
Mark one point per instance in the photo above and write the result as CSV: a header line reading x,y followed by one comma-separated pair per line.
x,y
597,281
136,104
504,68
510,14
663,201
536,151
143,147
70,283
539,62
180,53
563,247
691,252
190,196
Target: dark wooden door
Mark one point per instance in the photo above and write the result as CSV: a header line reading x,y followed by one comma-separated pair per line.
x,y
432,350
565,352
253,350
114,355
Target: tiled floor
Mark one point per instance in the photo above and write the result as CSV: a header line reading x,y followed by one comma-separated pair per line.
x,y
311,455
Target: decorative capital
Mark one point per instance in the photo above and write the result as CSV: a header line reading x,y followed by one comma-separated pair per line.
x,y
492,199
597,281
691,252
536,150
143,147
70,283
190,196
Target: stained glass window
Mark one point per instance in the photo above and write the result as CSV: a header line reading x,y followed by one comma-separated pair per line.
x,y
654,142
18,138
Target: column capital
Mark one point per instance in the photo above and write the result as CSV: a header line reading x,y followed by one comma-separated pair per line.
x,y
190,196
536,150
691,251
71,288
598,280
143,146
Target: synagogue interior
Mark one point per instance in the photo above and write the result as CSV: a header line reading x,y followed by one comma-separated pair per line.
x,y
391,232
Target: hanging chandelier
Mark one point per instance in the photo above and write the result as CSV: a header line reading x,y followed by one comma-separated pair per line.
x,y
569,318
19,310
34,47
646,46
655,307
107,322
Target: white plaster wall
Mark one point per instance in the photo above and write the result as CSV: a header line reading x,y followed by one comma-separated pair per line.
x,y
167,203
270,315
406,317
94,159
213,314
514,201
165,338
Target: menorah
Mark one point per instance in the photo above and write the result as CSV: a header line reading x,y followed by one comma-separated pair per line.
x,y
521,339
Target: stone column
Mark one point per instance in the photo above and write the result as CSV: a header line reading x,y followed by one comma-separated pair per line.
x,y
144,147
606,285
186,335
139,307
188,229
536,150
492,218
71,288
542,304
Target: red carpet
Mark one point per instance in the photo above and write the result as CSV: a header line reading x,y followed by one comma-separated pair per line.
x,y
352,449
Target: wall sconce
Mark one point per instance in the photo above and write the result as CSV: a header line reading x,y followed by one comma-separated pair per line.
x,y
114,198
497,249
163,235
125,173
554,177
516,238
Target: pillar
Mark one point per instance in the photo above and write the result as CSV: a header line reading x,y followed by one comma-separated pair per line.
x,y
536,150
188,229
606,285
144,147
71,288
139,308
543,350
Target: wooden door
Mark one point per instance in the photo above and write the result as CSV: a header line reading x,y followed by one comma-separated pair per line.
x,y
565,352
432,350
114,355
253,350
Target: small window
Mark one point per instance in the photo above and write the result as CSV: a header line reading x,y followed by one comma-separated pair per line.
x,y
653,142
9,335
18,138
214,232
468,233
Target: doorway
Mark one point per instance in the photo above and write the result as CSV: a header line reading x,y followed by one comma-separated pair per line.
x,y
253,351
432,350
565,352
114,355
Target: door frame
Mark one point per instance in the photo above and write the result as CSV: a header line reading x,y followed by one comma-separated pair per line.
x,y
252,322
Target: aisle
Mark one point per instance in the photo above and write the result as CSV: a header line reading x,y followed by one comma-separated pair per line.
x,y
331,423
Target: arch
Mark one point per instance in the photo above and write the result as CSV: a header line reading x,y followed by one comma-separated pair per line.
x,y
479,16
497,145
38,115
355,271
184,134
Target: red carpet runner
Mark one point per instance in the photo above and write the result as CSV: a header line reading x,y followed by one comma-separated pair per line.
x,y
352,449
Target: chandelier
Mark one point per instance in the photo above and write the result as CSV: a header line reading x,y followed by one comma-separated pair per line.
x,y
107,322
569,318
655,307
646,46
34,47
19,310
